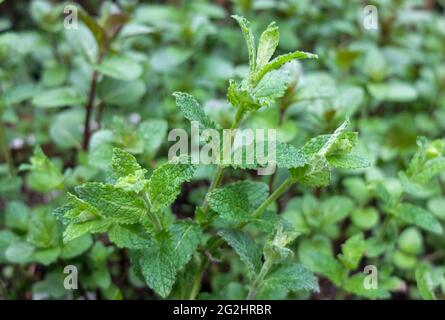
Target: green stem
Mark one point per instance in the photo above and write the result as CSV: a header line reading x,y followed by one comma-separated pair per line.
x,y
219,174
89,109
272,181
259,279
153,216
198,278
5,149
217,178
214,243
238,117
273,197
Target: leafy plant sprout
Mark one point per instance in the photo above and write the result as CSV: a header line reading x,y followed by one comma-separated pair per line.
x,y
161,250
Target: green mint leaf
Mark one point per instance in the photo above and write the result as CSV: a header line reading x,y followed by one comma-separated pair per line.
x,y
161,262
413,187
133,183
46,256
425,283
292,277
44,230
430,169
130,236
130,176
7,238
123,163
19,252
418,216
192,110
59,97
76,210
239,96
246,248
96,29
44,175
121,92
393,91
348,161
340,142
235,202
272,86
336,208
275,248
419,157
166,181
286,156
264,94
352,251
427,162
316,174
153,133
250,42
76,247
356,285
186,238
17,216
99,253
343,144
319,151
158,267
335,143
113,203
267,221
267,44
389,200
280,61
125,134
325,264
120,67
76,230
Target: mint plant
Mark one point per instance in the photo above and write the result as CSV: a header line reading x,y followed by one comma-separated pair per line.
x,y
130,208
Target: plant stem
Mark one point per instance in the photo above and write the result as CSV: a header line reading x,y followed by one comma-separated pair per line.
x,y
99,112
89,110
219,174
217,178
91,95
92,91
198,278
5,149
257,282
285,102
273,197
153,216
272,181
156,221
